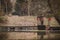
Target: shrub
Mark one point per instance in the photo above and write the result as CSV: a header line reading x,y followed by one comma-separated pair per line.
x,y
3,19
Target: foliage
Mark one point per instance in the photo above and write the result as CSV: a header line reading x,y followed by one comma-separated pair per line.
x,y
55,6
58,13
20,1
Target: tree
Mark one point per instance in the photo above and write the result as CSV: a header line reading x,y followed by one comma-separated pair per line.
x,y
55,8
21,8
6,6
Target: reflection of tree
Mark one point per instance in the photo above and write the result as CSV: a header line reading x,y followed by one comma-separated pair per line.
x,y
3,36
